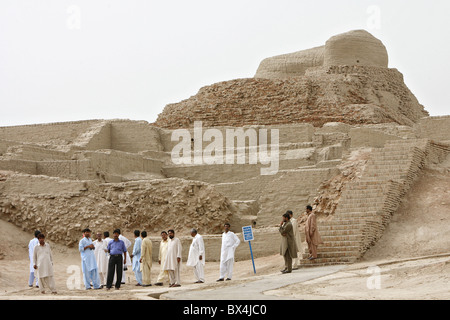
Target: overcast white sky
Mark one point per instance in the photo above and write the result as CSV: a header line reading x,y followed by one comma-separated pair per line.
x,y
103,59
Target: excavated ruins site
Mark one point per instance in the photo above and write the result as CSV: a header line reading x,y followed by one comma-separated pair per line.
x,y
353,142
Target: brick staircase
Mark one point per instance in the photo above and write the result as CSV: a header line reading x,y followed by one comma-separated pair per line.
x,y
367,204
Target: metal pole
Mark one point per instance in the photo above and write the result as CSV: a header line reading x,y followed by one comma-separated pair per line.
x,y
251,252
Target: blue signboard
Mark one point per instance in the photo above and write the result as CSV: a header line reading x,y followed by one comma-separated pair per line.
x,y
247,233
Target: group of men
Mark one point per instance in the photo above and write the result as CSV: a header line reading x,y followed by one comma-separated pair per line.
x,y
290,240
105,260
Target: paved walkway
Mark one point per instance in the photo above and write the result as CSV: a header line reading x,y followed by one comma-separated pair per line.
x,y
253,289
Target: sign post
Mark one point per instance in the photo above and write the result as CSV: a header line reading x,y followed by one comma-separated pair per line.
x,y
247,232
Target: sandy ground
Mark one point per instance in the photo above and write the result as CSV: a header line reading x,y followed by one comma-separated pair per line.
x,y
14,272
411,260
419,278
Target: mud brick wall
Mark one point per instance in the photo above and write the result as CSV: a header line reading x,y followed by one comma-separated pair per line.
x,y
436,128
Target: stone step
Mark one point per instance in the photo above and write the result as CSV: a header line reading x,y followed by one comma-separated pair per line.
x,y
343,221
350,203
354,207
370,196
356,213
353,226
383,179
341,232
332,254
384,163
328,249
406,142
393,159
341,238
362,186
386,170
336,244
328,261
392,152
385,159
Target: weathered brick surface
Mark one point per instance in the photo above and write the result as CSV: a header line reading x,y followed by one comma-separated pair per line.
x,y
353,95
367,204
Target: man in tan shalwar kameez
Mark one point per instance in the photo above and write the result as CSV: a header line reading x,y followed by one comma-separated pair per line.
x,y
297,238
146,259
288,248
313,238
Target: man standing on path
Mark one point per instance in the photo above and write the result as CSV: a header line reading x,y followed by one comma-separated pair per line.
x,y
196,256
117,253
173,260
127,259
146,260
43,263
33,242
88,262
136,256
101,257
312,234
288,248
229,244
298,241
164,244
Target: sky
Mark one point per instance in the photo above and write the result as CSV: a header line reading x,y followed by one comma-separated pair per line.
x,y
106,59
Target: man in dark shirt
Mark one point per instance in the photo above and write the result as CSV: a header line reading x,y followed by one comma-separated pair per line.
x,y
116,250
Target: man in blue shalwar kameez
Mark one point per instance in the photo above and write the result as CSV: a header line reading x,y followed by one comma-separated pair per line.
x,y
88,262
136,256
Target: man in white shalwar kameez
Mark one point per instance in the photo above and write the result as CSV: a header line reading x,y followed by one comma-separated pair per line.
x,y
33,242
101,257
163,245
196,257
295,262
107,239
128,260
43,264
173,260
230,242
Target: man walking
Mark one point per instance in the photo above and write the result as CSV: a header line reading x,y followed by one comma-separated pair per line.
x,y
43,263
229,244
88,262
173,260
116,250
127,259
313,238
288,248
196,256
101,257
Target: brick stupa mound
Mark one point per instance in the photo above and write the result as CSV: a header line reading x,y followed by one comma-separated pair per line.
x,y
347,80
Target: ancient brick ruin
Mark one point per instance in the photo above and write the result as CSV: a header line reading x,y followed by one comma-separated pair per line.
x,y
329,104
